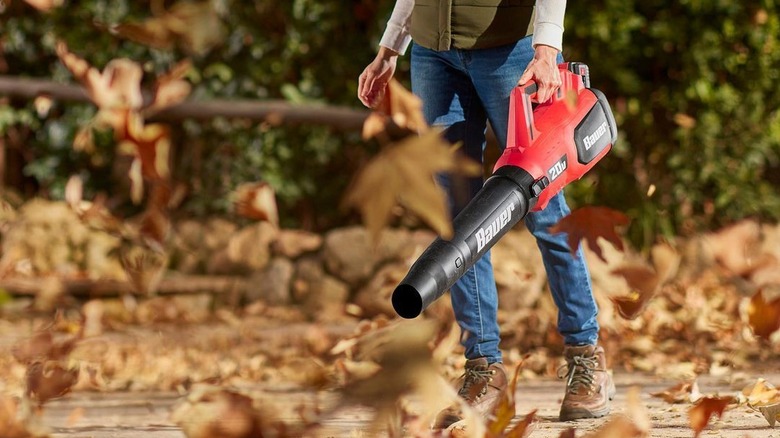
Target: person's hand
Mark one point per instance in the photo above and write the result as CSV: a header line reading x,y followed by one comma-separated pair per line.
x,y
373,81
543,70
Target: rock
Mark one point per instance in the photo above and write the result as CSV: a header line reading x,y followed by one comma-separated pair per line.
x,y
322,297
351,255
308,273
272,284
217,234
374,298
293,243
251,246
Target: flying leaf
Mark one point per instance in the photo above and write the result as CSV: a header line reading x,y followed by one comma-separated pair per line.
x,y
404,173
256,201
118,86
144,268
400,106
700,414
763,316
666,261
643,282
590,223
504,411
44,5
617,427
170,88
10,423
193,26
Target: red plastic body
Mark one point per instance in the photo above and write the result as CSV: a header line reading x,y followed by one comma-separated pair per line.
x,y
537,138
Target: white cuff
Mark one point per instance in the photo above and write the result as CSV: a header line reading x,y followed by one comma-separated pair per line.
x,y
549,34
396,38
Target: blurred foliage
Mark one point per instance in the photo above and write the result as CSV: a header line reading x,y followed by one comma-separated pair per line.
x,y
692,83
304,51
694,88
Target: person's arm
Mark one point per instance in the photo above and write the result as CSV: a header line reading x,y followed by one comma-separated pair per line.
x,y
396,36
548,43
395,41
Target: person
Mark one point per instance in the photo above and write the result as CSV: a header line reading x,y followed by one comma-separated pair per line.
x,y
466,58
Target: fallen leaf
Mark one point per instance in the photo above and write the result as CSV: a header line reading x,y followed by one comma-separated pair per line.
x,y
590,223
761,393
771,413
617,427
700,414
48,380
568,433
680,393
42,346
763,316
74,416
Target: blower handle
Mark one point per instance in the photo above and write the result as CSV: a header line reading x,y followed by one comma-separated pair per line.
x,y
574,76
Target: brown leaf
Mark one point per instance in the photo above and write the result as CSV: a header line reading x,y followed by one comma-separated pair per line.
x,y
398,106
144,268
523,428
617,427
256,201
213,412
771,413
684,120
170,88
10,425
48,380
84,140
666,261
683,392
700,414
404,173
504,411
761,393
118,86
643,282
590,223
194,26
763,316
45,5
42,104
42,346
568,433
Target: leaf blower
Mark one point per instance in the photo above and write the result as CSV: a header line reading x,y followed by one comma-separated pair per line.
x,y
549,145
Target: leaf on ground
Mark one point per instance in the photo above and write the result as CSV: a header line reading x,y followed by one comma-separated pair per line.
x,y
761,393
42,346
48,380
700,414
405,173
568,433
256,201
763,316
771,413
400,106
590,223
617,427
213,412
684,392
643,283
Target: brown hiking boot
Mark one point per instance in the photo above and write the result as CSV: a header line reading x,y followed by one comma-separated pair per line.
x,y
482,387
589,387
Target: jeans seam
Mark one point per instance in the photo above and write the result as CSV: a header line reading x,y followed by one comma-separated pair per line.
x,y
481,336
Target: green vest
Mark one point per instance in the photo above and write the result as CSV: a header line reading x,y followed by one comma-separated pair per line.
x,y
470,24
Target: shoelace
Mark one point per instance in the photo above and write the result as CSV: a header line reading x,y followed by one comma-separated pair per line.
x,y
473,376
579,372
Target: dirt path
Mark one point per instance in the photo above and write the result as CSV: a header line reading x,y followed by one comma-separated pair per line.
x,y
123,415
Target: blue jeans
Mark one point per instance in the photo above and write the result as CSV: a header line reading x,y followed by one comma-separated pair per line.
x,y
462,90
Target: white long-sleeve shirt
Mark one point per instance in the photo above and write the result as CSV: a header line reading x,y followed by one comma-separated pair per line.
x,y
548,25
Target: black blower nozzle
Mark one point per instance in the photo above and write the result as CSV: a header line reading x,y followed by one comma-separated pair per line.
x,y
507,196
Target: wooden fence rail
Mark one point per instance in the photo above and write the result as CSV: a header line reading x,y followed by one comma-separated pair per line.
x,y
273,111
